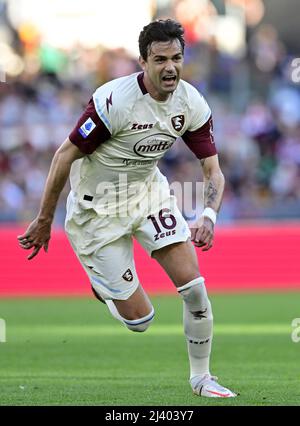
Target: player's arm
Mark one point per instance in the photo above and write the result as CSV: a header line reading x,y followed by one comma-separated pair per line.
x,y
201,143
203,231
38,232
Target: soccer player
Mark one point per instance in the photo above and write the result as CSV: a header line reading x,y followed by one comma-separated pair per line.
x,y
111,156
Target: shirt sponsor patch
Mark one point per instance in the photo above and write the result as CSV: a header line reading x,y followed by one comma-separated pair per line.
x,y
87,127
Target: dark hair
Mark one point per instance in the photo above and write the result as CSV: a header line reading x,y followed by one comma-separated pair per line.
x,y
160,30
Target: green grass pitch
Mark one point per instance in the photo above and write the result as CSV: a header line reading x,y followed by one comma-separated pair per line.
x,y
72,352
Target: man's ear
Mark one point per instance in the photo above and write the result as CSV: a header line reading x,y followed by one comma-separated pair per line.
x,y
142,63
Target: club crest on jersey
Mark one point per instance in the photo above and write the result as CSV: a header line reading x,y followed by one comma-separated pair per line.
x,y
87,127
127,276
178,122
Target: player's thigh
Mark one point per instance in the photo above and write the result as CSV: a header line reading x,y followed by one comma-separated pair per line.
x,y
163,227
111,269
109,265
166,237
180,262
112,273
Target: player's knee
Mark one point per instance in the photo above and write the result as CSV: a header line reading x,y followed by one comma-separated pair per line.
x,y
195,297
140,324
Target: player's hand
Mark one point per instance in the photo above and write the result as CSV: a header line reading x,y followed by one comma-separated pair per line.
x,y
202,233
36,236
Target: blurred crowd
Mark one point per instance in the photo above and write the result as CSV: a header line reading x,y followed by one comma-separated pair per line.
x,y
256,112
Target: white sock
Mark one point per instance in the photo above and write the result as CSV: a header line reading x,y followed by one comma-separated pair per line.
x,y
198,325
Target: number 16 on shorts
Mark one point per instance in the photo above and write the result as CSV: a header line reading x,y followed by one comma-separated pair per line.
x,y
163,223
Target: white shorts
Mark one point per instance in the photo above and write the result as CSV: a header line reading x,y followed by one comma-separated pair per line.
x,y
104,245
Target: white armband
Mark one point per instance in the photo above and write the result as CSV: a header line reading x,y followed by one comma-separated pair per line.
x,y
210,213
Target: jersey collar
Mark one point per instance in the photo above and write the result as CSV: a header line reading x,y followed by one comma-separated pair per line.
x,y
140,79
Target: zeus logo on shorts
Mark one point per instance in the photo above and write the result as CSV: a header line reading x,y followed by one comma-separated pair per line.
x,y
164,234
87,127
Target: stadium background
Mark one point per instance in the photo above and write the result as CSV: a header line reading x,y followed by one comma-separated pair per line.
x,y
241,54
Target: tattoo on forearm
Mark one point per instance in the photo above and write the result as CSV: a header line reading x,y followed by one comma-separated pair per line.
x,y
213,184
210,194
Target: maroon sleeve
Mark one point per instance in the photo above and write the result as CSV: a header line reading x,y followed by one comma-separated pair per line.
x,y
201,141
89,131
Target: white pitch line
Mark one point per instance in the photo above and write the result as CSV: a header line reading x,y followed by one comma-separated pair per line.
x,y
159,330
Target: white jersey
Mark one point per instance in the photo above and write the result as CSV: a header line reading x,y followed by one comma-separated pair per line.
x,y
125,132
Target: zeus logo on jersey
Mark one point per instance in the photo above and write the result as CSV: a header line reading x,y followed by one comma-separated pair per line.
x,y
87,127
211,131
108,102
137,126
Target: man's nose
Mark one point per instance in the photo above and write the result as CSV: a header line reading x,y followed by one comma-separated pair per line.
x,y
170,67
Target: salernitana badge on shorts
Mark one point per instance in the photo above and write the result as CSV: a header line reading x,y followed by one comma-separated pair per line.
x,y
128,275
178,122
